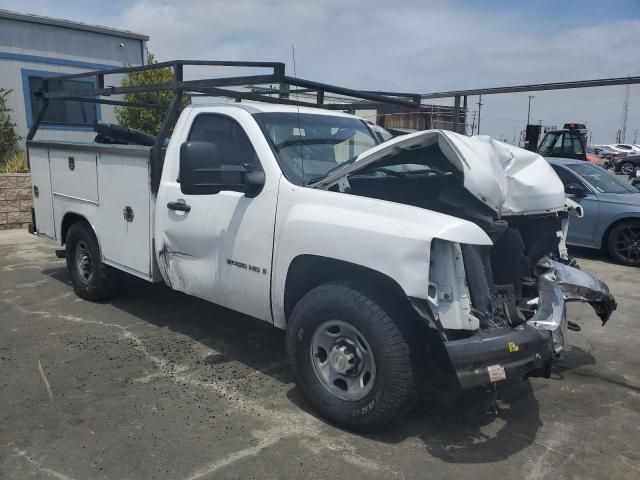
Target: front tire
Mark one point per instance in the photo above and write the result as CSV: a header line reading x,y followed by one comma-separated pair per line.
x,y
623,243
627,168
351,357
91,279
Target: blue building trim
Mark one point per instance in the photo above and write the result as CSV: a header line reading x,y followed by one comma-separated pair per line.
x,y
54,61
26,91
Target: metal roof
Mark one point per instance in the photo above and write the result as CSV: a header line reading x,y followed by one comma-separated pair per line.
x,y
58,22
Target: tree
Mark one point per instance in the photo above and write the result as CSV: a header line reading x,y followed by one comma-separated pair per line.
x,y
8,137
144,119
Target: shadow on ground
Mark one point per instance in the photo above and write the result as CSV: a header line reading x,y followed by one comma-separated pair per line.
x,y
481,426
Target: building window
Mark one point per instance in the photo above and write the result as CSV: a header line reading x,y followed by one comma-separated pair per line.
x,y
61,112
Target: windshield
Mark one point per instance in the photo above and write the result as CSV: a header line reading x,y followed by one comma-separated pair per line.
x,y
559,144
600,179
309,146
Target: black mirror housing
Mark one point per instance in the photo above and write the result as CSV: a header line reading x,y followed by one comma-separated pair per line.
x,y
575,189
197,159
203,173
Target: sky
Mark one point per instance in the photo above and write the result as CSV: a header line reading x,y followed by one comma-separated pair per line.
x,y
412,45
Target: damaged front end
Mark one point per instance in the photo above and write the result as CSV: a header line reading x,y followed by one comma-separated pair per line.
x,y
510,348
498,310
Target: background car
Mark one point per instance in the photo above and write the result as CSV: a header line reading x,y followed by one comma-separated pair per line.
x,y
626,165
631,149
611,207
608,153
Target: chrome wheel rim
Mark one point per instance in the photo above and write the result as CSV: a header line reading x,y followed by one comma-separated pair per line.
x,y
342,360
626,168
627,244
83,262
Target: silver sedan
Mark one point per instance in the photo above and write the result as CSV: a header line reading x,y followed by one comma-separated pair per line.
x,y
611,220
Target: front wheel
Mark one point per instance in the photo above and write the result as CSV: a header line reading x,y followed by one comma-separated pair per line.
x,y
627,168
91,279
623,243
351,357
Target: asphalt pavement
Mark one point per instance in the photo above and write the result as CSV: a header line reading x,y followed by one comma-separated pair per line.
x,y
159,385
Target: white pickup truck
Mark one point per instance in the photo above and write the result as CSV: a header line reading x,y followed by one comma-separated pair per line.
x,y
425,259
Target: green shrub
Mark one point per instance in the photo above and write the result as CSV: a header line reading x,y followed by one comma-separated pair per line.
x,y
143,119
8,137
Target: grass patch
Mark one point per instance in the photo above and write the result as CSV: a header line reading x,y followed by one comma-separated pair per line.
x,y
15,163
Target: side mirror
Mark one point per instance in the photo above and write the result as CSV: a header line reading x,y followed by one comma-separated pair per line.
x,y
575,189
202,172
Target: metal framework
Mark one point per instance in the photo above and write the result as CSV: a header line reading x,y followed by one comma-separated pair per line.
x,y
213,87
220,87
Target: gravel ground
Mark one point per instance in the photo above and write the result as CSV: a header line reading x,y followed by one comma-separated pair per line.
x,y
159,385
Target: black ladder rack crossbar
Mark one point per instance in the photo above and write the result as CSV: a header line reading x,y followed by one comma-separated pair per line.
x,y
213,87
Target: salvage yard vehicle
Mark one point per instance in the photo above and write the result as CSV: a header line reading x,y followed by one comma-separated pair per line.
x,y
432,260
611,206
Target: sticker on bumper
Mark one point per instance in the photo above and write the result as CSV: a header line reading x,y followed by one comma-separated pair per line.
x,y
496,373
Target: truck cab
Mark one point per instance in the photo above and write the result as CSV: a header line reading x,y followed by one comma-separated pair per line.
x,y
570,142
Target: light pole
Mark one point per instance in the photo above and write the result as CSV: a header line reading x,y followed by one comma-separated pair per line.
x,y
531,97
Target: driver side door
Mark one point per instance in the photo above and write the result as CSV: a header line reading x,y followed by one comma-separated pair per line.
x,y
581,230
218,246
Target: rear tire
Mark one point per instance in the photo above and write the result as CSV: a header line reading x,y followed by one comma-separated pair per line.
x,y
338,328
623,243
91,279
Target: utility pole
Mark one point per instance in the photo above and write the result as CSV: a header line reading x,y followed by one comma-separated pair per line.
x,y
625,113
635,136
473,122
479,108
531,97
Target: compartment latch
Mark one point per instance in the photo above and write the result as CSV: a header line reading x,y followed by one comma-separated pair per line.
x,y
128,213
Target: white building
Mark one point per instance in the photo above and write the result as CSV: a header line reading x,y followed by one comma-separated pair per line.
x,y
34,47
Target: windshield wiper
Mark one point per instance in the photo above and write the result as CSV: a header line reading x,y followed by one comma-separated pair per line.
x,y
310,141
330,171
406,173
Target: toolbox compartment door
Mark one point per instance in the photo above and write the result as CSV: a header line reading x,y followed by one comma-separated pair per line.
x,y
124,214
41,191
74,175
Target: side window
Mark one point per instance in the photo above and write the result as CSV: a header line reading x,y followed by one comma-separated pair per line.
x,y
566,176
64,112
226,134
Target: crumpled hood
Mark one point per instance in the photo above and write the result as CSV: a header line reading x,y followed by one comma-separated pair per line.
x,y
508,179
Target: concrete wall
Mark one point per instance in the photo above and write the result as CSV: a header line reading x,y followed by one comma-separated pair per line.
x,y
15,200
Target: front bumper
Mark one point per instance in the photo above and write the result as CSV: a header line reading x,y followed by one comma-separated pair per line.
x,y
527,350
502,354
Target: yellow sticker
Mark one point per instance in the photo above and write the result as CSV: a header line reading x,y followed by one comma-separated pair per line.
x,y
513,347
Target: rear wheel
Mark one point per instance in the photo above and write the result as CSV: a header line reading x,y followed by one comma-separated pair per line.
x,y
627,168
351,357
623,243
91,278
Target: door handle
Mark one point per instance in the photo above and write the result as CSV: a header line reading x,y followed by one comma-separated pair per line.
x,y
180,206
